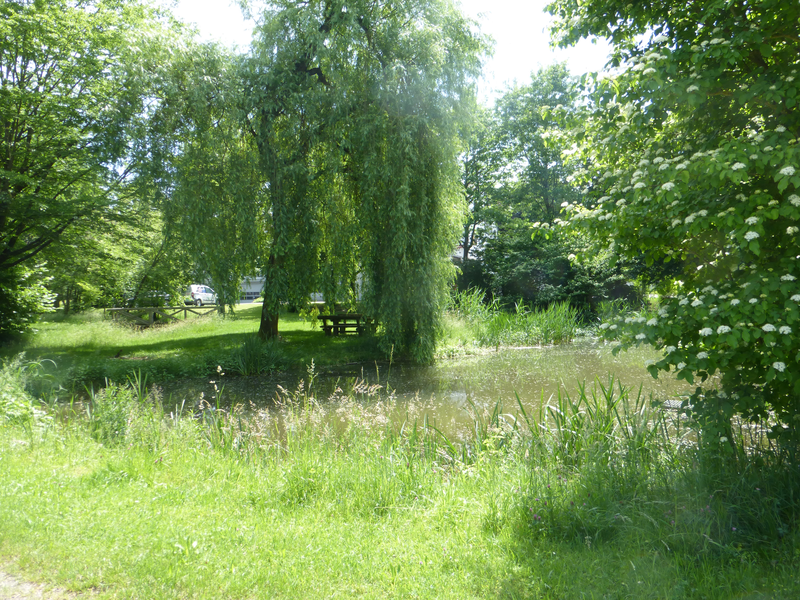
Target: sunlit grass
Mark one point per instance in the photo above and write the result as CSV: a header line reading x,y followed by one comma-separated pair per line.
x,y
599,495
88,348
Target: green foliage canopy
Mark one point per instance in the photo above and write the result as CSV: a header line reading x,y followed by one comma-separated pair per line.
x,y
692,147
356,108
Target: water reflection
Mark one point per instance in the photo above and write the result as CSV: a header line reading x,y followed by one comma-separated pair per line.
x,y
449,388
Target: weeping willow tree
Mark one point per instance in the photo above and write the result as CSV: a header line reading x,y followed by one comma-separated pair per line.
x,y
355,106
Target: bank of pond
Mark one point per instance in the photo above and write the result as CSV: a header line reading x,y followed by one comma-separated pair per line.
x,y
356,491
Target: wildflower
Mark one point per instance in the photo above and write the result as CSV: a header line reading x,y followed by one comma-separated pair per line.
x,y
612,328
792,230
753,300
689,219
768,327
648,71
640,336
751,220
697,302
794,199
680,365
787,170
660,39
639,185
737,166
670,349
795,298
653,321
750,235
684,302
706,331
703,213
702,355
676,222
658,159
785,330
604,326
723,329
692,88
735,301
668,186
780,128
779,366
663,167
788,278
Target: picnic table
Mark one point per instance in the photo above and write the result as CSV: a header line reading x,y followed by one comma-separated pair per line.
x,y
342,323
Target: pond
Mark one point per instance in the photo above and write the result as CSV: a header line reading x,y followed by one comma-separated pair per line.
x,y
446,391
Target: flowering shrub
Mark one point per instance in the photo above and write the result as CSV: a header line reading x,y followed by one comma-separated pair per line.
x,y
702,111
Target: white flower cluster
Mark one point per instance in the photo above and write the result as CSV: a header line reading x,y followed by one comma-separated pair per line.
x,y
794,199
750,235
670,349
706,331
640,336
653,322
738,166
778,366
692,88
668,186
788,277
785,330
768,327
787,170
723,329
702,355
751,220
697,302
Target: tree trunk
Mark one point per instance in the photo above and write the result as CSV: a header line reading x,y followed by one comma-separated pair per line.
x,y
269,322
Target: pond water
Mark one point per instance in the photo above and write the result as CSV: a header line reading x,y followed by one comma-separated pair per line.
x,y
447,390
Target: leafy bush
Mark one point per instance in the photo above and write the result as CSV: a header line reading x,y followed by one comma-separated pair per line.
x,y
22,298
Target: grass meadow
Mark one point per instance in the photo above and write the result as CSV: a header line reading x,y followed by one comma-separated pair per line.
x,y
597,496
89,348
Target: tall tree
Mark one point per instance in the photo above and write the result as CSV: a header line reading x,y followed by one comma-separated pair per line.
x,y
693,153
70,93
356,108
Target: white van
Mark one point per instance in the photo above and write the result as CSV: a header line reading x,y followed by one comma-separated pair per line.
x,y
200,294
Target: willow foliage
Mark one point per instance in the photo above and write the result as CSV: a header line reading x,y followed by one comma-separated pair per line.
x,y
355,107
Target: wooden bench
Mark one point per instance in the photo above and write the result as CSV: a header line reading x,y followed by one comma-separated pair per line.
x,y
343,323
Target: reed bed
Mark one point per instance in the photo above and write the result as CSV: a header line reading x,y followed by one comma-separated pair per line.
x,y
524,326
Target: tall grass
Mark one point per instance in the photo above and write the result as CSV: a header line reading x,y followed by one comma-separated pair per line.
x,y
525,325
352,495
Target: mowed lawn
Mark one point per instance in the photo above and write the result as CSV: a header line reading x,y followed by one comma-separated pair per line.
x,y
90,347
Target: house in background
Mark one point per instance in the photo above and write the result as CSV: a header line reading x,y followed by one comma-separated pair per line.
x,y
252,288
